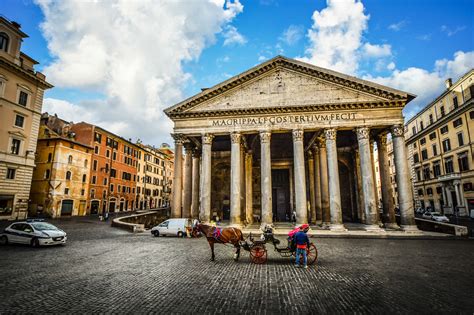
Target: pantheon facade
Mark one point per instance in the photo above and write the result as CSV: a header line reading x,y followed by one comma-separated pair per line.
x,y
288,139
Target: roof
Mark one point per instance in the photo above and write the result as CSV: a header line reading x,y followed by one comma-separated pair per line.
x,y
303,67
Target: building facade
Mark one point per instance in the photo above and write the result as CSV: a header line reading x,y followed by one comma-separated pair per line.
x,y
262,137
61,176
21,101
113,169
440,140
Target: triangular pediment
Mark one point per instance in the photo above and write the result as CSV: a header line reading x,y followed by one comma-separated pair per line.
x,y
286,83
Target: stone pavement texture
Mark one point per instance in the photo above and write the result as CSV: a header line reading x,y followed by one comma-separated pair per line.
x,y
108,270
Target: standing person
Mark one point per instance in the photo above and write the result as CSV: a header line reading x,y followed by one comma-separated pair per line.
x,y
302,242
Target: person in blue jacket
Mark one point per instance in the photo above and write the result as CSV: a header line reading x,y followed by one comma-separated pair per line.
x,y
302,243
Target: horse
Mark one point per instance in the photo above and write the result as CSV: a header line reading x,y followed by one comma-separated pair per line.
x,y
218,235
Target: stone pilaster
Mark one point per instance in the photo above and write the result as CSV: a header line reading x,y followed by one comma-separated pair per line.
x,y
459,198
370,204
266,178
333,175
188,180
405,192
385,184
235,180
195,185
177,176
317,185
205,191
300,177
248,188
323,160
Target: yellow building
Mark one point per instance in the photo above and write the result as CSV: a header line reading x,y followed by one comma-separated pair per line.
x,y
61,177
440,141
21,100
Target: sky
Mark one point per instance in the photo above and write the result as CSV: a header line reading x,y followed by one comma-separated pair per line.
x,y
119,63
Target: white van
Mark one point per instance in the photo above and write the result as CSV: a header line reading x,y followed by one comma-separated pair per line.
x,y
174,227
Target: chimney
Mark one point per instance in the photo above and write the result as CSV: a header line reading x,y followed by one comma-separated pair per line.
x,y
448,82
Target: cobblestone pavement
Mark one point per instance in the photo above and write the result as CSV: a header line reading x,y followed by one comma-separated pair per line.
x,y
103,269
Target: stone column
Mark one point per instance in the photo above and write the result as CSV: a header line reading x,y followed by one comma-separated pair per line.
x,y
195,185
312,190
235,184
405,192
300,177
333,175
266,178
360,193
370,204
323,170
177,176
242,181
374,175
456,184
385,184
205,191
248,188
317,185
188,180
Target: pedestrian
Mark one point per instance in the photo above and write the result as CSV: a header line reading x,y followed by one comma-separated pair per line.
x,y
302,242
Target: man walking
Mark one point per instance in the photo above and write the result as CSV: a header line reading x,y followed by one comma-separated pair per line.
x,y
302,242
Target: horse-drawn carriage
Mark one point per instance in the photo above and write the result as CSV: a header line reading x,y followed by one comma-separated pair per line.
x,y
258,251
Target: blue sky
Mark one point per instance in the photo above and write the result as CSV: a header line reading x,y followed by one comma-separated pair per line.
x,y
172,50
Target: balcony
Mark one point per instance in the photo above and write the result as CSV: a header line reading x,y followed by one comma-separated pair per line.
x,y
448,177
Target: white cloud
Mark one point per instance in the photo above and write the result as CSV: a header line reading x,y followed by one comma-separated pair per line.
x,y
292,34
233,37
391,66
397,26
131,51
450,32
376,51
425,37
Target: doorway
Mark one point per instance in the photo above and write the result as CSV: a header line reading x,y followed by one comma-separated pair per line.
x,y
94,207
281,195
66,207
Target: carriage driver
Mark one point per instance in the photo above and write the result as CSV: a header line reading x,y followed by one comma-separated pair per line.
x,y
302,242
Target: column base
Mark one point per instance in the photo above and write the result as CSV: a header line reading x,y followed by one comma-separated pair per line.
x,y
392,226
319,222
337,228
325,225
374,228
409,228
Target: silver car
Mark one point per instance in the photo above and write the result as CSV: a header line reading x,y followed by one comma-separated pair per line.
x,y
33,233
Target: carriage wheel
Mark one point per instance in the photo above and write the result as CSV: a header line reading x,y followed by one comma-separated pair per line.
x,y
258,254
312,254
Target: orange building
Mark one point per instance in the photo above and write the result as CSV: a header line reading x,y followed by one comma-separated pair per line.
x,y
113,169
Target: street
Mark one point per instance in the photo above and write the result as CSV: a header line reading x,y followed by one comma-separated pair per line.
x,y
103,269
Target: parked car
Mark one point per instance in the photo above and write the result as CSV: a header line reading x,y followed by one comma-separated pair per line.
x,y
419,210
426,215
34,233
436,216
173,227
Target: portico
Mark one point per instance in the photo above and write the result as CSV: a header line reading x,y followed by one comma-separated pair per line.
x,y
285,138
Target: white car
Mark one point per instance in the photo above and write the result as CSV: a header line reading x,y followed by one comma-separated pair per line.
x,y
427,215
34,233
436,216
173,227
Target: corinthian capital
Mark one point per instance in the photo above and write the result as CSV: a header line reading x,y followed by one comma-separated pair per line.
x,y
207,138
310,155
382,139
398,131
265,136
362,133
178,138
235,137
330,133
298,134
321,142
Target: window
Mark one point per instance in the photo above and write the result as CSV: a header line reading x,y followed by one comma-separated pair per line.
x,y
11,173
444,129
471,113
439,190
442,111
416,158
455,102
4,42
448,165
19,121
414,144
463,162
94,165
104,194
418,174
422,141
94,179
46,174
457,122
426,173
413,130
6,204
429,191
96,150
92,193
84,177
111,187
97,137
446,145
424,154
436,169
421,125
86,162
431,119
50,157
460,139
83,192
467,186
68,175
69,159
23,98
113,173
420,192
432,135
114,156
66,191
118,188
435,150
107,154
105,181
15,148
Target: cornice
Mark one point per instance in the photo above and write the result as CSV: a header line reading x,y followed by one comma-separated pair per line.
x,y
280,62
289,109
43,84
